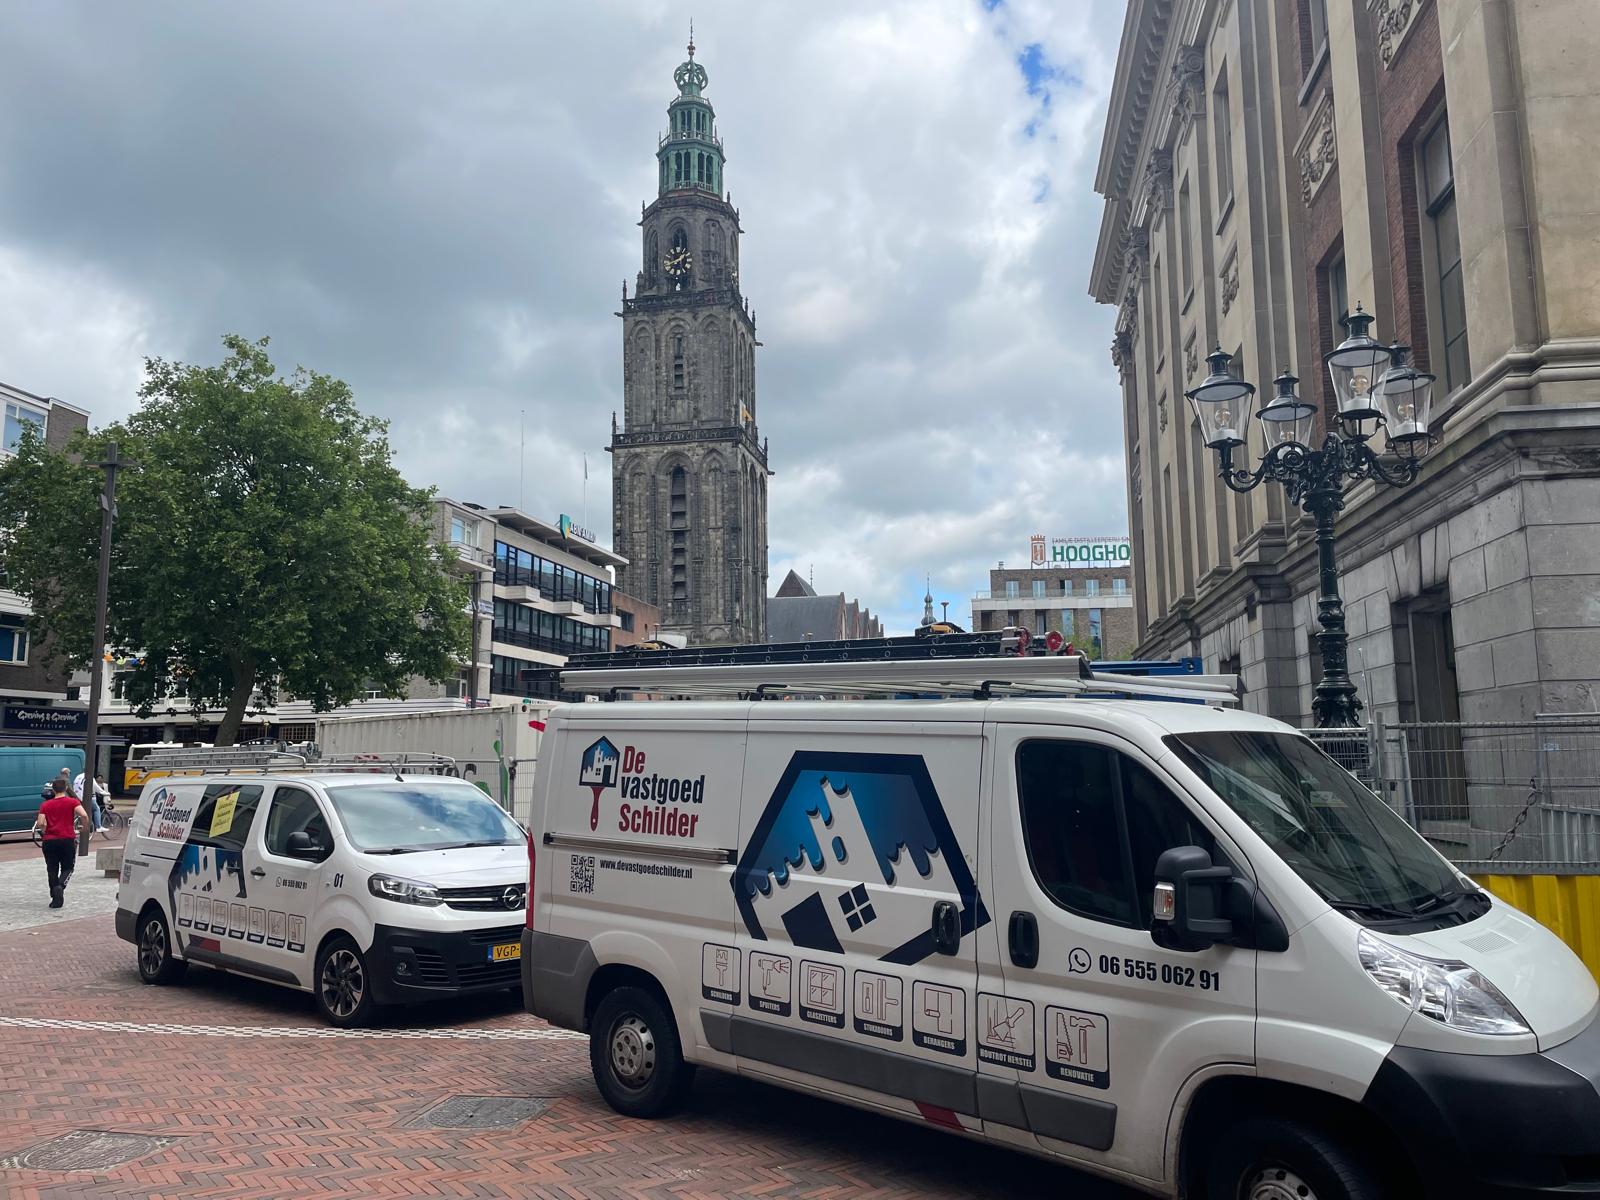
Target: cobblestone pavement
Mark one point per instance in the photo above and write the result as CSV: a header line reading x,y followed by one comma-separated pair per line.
x,y
25,900
223,1087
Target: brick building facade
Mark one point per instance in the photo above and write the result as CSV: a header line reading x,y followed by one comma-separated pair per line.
x,y
1092,608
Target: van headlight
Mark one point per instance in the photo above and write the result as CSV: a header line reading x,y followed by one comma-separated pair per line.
x,y
1444,990
406,891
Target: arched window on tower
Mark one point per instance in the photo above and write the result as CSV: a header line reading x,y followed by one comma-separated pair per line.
x,y
680,370
700,168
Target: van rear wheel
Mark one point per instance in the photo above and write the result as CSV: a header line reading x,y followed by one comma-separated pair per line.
x,y
1284,1160
635,1054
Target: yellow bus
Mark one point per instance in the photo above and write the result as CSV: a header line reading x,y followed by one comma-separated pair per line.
x,y
134,773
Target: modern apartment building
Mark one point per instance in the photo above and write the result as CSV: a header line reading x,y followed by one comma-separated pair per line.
x,y
1081,588
25,677
1269,164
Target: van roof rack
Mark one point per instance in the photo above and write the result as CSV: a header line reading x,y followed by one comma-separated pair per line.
x,y
981,678
246,760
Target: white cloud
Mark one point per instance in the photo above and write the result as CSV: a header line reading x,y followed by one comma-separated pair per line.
x,y
441,207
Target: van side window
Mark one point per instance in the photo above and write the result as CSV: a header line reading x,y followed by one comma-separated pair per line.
x,y
1072,827
1157,822
295,811
224,816
1094,822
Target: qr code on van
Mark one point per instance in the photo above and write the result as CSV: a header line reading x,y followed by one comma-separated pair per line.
x,y
582,882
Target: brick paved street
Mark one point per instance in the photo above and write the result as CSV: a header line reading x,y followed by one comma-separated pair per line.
x,y
253,1096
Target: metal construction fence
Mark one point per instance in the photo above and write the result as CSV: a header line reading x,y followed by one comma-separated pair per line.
x,y
1516,797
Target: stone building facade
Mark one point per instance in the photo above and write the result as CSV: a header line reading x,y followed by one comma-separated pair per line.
x,y
1266,165
689,471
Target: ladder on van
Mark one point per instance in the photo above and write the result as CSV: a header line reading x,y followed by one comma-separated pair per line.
x,y
978,678
248,760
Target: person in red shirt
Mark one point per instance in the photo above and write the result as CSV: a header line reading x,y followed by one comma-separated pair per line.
x,y
58,819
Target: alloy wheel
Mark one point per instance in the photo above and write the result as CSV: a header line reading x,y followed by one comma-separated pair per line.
x,y
344,982
153,947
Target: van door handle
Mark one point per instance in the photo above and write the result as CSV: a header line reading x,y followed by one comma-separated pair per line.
x,y
258,872
946,928
1023,936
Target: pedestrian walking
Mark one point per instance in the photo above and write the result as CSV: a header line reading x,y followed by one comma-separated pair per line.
x,y
93,799
58,819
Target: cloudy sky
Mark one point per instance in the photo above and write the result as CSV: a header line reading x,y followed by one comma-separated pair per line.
x,y
437,203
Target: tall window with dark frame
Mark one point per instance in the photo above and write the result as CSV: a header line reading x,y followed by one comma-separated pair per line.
x,y
680,524
1448,292
1222,141
1185,240
1316,31
1156,309
679,372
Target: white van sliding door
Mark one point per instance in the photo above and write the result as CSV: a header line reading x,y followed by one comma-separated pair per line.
x,y
857,903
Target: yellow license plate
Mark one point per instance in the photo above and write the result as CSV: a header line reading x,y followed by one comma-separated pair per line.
x,y
505,952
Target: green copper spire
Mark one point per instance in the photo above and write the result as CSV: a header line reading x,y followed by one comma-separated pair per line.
x,y
690,152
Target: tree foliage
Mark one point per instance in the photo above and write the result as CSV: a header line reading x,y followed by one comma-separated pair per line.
x,y
266,544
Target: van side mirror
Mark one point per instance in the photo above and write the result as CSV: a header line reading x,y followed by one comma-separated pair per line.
x,y
302,845
1191,900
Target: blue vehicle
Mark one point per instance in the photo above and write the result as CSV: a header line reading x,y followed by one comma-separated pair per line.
x,y
24,772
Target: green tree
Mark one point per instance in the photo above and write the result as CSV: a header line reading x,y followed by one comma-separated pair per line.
x,y
266,543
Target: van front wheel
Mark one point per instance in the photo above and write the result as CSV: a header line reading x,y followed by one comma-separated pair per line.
x,y
344,991
635,1055
1283,1160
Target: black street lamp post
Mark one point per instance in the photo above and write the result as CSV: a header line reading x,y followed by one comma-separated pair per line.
x,y
1373,386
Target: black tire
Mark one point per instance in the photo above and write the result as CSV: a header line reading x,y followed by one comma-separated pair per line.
x,y
154,948
635,1054
342,984
1284,1160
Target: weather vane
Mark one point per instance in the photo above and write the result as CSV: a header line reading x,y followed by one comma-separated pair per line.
x,y
691,37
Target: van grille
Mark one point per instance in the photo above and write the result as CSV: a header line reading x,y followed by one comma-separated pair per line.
x,y
474,974
493,937
486,899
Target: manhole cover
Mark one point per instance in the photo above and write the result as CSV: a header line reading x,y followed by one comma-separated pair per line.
x,y
480,1112
84,1150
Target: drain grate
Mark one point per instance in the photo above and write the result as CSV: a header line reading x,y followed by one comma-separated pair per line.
x,y
480,1112
85,1150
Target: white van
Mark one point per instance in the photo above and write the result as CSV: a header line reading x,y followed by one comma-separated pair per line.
x,y
363,886
1170,943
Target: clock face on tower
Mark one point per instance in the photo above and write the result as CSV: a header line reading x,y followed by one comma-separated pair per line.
x,y
678,262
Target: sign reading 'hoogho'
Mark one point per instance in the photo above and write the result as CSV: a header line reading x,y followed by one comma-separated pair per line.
x,y
1079,552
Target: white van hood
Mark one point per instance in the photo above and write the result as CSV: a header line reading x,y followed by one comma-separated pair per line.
x,y
1536,971
470,866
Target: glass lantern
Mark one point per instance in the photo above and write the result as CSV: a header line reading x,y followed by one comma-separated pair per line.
x,y
1221,403
1287,421
1405,401
1354,366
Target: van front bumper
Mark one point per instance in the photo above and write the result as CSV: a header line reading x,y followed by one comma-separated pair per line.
x,y
1497,1126
409,965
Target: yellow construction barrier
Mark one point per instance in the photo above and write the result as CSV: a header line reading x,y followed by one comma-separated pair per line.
x,y
1568,905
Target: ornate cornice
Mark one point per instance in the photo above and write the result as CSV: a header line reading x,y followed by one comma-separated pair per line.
x,y
1318,148
1186,93
1393,20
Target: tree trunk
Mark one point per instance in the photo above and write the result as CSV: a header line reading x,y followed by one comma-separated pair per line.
x,y
244,676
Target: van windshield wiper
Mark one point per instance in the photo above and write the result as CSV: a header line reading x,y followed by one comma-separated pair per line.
x,y
1445,900
400,850
473,845
1381,911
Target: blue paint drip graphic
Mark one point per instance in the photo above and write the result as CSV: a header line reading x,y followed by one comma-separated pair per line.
x,y
890,809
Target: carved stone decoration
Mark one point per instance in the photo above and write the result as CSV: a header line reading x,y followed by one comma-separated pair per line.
x,y
1318,148
1161,413
1158,180
1230,281
1191,358
1186,94
1128,317
1135,249
1136,477
1392,20
1122,352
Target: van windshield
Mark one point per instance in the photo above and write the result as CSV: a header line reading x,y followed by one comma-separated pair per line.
x,y
1339,837
412,815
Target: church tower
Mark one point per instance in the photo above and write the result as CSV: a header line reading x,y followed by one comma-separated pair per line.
x,y
689,473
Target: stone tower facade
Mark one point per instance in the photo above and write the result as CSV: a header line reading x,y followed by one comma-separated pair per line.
x,y
689,473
